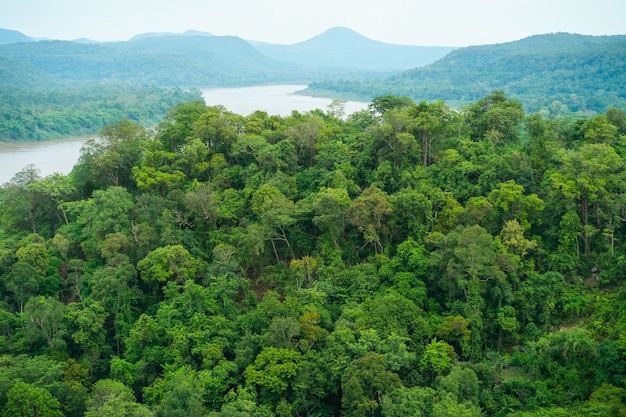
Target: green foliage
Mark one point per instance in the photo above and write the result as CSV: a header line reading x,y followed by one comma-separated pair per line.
x,y
309,265
50,111
114,399
557,74
27,400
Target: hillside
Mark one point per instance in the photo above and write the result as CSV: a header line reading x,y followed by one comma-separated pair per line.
x,y
583,73
344,48
12,36
164,60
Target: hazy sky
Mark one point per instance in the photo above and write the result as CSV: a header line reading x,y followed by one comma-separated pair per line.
x,y
417,22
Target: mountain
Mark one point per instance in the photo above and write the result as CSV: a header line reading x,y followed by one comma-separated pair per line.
x,y
162,34
168,60
344,48
12,36
200,59
583,73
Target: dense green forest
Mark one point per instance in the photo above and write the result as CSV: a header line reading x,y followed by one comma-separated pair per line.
x,y
406,260
32,114
556,74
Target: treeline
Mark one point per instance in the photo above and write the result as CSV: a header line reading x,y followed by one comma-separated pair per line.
x,y
406,260
556,74
73,109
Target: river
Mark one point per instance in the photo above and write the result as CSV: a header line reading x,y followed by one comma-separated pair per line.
x,y
276,100
61,155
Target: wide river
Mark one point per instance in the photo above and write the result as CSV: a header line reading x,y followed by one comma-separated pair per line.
x,y
61,155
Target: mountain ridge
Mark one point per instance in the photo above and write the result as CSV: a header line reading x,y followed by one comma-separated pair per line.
x,y
8,36
342,47
582,72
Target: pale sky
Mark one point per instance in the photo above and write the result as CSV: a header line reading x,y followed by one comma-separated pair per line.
x,y
417,22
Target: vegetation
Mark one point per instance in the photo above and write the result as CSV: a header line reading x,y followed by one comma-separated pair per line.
x,y
555,74
169,61
32,114
55,88
407,260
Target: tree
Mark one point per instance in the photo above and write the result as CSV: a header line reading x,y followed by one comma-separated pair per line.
x,y
414,401
172,262
218,129
431,122
275,211
178,126
382,104
21,206
114,154
178,394
511,204
600,130
26,400
305,136
44,320
331,209
86,326
473,266
56,189
495,118
394,140
274,372
110,398
108,211
368,213
23,282
589,177
437,358
364,384
242,403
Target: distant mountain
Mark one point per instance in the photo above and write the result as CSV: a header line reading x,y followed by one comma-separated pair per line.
x,y
83,40
583,73
341,47
162,34
12,36
168,60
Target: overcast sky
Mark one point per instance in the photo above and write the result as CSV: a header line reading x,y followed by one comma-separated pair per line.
x,y
417,22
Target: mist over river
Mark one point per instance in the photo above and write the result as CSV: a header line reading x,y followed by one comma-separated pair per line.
x,y
61,155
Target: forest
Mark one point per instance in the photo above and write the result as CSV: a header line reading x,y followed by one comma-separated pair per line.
x,y
407,260
557,74
66,110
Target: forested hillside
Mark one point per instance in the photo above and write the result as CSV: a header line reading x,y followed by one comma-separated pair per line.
x,y
170,61
557,74
407,260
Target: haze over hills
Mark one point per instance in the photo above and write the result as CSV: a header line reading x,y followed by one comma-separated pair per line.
x,y
226,60
184,61
341,47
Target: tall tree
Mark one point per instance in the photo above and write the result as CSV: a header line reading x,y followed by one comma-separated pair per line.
x,y
26,400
